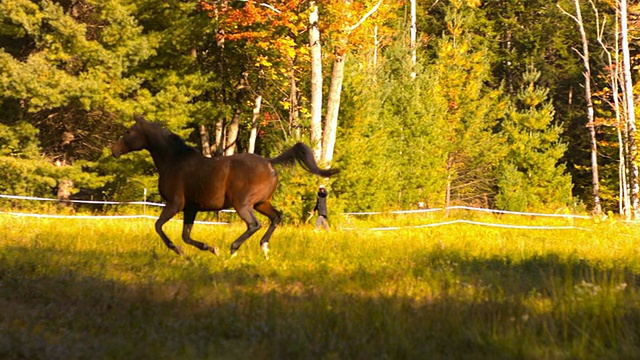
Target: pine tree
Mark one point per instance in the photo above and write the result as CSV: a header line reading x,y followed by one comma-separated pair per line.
x,y
365,150
473,150
391,136
531,178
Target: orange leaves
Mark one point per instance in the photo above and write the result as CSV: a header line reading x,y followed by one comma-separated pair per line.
x,y
206,7
353,22
255,18
271,28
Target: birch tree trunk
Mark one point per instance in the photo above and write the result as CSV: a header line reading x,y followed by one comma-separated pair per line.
x,y
624,204
333,107
597,209
631,116
335,89
204,141
316,82
232,132
413,33
254,124
220,139
447,191
375,46
294,112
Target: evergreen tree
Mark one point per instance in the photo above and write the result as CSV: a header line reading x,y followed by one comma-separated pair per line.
x,y
74,70
473,150
531,178
365,147
391,136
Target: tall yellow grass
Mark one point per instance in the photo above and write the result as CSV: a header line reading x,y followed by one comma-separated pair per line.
x,y
73,288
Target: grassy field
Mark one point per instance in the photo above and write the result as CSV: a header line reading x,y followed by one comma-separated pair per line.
x,y
109,289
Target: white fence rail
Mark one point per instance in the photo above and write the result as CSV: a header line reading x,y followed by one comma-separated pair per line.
x,y
568,216
397,212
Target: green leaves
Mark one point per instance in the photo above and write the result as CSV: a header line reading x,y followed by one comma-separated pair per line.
x,y
81,60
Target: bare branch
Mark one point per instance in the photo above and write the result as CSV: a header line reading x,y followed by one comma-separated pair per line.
x,y
364,18
270,7
568,14
578,52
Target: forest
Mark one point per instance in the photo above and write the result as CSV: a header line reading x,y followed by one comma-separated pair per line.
x,y
522,105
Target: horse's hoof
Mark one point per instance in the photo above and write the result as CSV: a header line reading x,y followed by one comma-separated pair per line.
x,y
214,250
177,250
233,254
265,250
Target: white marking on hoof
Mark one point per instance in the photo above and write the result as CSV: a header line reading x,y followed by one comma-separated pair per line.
x,y
265,250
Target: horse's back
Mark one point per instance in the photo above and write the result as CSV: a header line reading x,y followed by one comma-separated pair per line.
x,y
219,183
251,178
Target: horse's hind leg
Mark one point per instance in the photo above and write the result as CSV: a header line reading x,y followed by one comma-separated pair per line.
x,y
167,213
274,216
247,215
189,219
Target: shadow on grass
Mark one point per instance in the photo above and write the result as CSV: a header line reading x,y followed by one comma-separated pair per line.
x,y
56,305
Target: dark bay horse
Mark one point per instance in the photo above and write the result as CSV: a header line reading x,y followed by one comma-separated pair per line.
x,y
191,182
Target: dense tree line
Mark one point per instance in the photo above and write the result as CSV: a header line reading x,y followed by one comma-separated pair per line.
x,y
489,111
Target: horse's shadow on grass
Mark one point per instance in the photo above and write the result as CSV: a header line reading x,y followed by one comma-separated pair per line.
x,y
52,307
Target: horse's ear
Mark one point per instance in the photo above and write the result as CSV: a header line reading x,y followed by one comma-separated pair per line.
x,y
139,119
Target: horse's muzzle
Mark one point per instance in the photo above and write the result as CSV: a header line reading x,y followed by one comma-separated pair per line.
x,y
118,150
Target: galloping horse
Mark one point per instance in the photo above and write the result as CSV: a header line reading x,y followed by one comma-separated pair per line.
x,y
190,182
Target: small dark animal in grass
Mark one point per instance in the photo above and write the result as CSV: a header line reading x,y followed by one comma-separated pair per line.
x,y
190,182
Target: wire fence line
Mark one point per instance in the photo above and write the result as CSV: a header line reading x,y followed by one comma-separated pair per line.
x,y
470,208
478,223
146,203
98,217
347,214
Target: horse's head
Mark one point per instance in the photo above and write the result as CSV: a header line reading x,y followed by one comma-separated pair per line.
x,y
133,139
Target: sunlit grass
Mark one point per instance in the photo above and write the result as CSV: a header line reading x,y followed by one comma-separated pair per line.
x,y
110,289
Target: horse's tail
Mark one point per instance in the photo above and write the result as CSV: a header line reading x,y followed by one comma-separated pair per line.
x,y
304,156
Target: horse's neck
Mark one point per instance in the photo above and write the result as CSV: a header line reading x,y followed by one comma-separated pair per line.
x,y
164,156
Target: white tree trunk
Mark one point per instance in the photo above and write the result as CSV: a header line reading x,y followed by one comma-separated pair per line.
x,y
595,178
375,46
232,135
413,33
631,115
316,82
294,113
333,108
204,141
624,203
335,89
218,147
254,124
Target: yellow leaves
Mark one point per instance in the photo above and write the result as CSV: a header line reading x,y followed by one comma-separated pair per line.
x,y
286,46
469,3
263,62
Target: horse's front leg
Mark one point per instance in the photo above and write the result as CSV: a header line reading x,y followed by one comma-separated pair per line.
x,y
169,211
189,219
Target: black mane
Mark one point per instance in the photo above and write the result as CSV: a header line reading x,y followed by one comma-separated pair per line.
x,y
173,140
